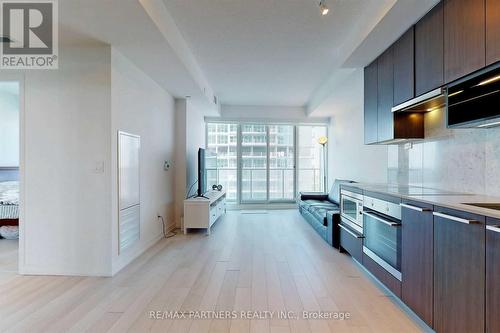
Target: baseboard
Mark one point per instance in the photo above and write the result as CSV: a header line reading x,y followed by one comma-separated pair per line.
x,y
273,206
137,254
33,270
423,325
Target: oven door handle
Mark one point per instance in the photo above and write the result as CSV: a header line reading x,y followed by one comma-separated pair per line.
x,y
375,217
350,232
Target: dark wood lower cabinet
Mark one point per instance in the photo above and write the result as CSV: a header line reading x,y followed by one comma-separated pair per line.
x,y
459,272
382,275
417,258
493,276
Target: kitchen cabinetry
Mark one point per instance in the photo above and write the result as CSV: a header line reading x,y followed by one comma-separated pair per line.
x,y
459,271
464,37
429,51
404,56
385,91
371,117
492,31
417,257
493,276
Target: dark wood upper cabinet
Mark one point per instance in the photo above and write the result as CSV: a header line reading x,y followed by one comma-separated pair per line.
x,y
429,67
416,258
493,277
464,37
371,105
404,67
385,93
459,272
492,31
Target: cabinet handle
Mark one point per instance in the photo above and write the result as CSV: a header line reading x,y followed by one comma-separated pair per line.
x,y
350,232
391,224
418,209
454,218
495,228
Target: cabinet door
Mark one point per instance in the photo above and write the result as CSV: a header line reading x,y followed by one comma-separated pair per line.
x,y
385,90
492,31
459,272
404,69
371,103
417,258
493,276
429,51
464,37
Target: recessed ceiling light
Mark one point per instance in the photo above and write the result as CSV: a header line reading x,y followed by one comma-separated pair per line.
x,y
323,8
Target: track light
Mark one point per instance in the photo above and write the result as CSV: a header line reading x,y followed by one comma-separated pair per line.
x,y
323,8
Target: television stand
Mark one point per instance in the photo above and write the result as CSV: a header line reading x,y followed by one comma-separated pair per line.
x,y
204,211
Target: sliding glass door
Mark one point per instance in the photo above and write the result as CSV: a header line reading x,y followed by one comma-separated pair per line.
x,y
263,163
281,163
254,163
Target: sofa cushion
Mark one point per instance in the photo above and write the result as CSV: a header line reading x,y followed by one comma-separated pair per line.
x,y
313,196
334,195
319,212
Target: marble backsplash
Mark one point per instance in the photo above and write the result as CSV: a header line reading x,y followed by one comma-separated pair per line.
x,y
462,160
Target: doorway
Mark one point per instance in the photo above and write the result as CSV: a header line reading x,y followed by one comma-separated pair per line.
x,y
10,145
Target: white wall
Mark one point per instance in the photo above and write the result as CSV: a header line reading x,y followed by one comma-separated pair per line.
x,y
67,205
140,106
266,113
195,139
190,136
348,156
69,223
9,124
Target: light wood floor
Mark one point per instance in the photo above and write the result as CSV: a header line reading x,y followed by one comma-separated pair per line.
x,y
8,255
258,262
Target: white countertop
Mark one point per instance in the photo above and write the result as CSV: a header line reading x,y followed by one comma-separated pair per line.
x,y
435,197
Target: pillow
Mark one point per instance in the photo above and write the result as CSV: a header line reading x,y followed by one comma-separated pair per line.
x,y
334,195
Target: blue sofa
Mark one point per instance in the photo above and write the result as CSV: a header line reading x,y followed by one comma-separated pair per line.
x,y
322,212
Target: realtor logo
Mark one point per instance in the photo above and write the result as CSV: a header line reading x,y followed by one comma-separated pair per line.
x,y
30,34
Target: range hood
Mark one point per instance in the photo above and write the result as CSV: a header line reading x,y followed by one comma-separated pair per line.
x,y
474,101
427,102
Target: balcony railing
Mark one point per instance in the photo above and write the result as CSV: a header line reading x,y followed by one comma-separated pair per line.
x,y
254,184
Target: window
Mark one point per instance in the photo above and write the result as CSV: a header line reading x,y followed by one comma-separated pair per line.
x,y
254,163
222,140
310,159
266,156
282,162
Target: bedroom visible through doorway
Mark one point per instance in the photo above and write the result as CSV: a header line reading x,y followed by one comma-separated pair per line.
x,y
9,175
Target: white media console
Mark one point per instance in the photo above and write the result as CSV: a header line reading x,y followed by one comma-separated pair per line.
x,y
203,212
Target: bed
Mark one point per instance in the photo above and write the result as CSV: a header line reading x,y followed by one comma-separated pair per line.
x,y
9,203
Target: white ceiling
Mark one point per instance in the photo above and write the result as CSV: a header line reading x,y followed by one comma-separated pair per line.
x,y
247,52
128,26
272,52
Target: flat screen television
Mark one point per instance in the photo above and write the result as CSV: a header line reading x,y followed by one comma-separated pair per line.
x,y
207,160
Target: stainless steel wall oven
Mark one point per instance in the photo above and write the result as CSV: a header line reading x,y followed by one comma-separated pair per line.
x,y
382,232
